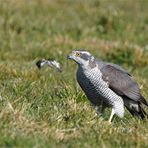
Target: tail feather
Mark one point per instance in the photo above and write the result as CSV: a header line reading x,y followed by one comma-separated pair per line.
x,y
143,100
141,113
136,110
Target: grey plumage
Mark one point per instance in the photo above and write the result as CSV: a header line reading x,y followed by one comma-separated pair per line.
x,y
108,85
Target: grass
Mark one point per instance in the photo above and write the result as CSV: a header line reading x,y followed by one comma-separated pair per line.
x,y
48,109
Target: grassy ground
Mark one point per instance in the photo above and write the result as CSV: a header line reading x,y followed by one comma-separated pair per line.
x,y
48,109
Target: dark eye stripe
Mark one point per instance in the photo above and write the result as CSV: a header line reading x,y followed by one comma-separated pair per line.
x,y
85,56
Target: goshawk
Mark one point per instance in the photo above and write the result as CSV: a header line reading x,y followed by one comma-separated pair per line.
x,y
108,85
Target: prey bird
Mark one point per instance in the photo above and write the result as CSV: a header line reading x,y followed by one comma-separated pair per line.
x,y
50,63
108,85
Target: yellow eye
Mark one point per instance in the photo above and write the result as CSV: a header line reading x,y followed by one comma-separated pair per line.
x,y
78,54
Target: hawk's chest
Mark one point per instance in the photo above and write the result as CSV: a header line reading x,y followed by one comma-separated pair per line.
x,y
91,80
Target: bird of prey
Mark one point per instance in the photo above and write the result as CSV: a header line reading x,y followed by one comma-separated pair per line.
x,y
50,63
108,85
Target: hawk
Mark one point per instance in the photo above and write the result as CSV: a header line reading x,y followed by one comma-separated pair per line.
x,y
108,85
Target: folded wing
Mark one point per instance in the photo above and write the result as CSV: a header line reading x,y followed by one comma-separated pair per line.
x,y
122,83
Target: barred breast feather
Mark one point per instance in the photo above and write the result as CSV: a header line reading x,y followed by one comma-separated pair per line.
x,y
97,90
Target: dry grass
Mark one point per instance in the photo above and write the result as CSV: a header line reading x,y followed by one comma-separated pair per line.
x,y
48,109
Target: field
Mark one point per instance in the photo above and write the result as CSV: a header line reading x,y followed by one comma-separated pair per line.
x,y
43,108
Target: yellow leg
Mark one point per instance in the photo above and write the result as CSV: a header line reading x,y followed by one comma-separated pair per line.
x,y
111,116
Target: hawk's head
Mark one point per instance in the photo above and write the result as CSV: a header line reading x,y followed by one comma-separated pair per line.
x,y
82,57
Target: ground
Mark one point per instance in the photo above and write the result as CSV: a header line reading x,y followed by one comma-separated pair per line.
x,y
43,108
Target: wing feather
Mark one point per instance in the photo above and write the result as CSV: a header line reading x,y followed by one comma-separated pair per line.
x,y
121,82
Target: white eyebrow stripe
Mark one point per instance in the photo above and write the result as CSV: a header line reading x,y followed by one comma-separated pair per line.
x,y
85,52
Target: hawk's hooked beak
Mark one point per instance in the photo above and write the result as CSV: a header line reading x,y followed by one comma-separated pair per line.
x,y
69,56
